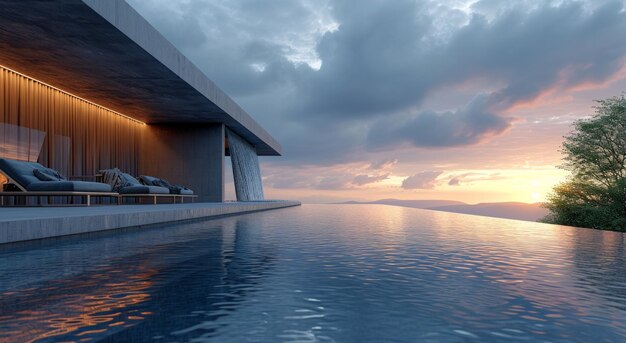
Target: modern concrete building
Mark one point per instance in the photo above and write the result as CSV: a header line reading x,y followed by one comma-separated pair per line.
x,y
90,84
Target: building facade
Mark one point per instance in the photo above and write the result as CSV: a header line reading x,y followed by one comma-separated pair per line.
x,y
87,85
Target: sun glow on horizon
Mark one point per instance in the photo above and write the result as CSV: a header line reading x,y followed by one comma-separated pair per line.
x,y
472,186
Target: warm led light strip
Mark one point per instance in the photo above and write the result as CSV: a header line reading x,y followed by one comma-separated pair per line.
x,y
72,95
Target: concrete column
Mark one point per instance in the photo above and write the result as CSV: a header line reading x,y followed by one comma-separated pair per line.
x,y
246,170
188,155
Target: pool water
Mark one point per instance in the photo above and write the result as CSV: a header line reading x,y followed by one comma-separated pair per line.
x,y
320,273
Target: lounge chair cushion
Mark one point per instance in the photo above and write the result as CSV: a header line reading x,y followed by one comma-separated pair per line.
x,y
68,186
23,173
149,180
20,171
185,191
144,190
174,189
47,174
129,180
118,179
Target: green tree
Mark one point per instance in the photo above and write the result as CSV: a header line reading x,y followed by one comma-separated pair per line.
x,y
595,154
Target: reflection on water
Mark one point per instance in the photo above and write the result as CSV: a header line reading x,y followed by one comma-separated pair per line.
x,y
100,302
320,273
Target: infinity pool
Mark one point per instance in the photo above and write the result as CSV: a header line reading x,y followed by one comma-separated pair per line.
x,y
320,273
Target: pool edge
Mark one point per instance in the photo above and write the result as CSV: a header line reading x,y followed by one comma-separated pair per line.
x,y
58,222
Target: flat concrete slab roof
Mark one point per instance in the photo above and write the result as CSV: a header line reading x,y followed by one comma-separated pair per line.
x,y
28,223
105,52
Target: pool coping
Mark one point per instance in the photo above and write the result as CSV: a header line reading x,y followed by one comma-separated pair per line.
x,y
19,224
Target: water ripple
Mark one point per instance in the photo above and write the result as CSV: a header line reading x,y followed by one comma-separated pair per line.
x,y
320,273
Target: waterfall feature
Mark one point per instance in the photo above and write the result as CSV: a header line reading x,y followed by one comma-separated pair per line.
x,y
246,171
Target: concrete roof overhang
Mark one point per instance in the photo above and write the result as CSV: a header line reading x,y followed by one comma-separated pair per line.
x,y
105,52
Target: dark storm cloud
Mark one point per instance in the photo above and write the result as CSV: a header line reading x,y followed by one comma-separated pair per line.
x,y
371,63
232,41
384,59
529,51
381,60
549,46
432,129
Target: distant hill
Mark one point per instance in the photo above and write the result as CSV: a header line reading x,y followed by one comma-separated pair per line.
x,y
508,210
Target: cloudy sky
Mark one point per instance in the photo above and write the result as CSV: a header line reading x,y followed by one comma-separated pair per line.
x,y
411,99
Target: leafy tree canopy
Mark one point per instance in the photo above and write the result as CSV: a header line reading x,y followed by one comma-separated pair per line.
x,y
595,154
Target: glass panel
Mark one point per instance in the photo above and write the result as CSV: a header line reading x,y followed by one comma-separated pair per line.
x,y
20,143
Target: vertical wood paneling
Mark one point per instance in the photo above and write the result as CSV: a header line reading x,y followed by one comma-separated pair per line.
x,y
81,137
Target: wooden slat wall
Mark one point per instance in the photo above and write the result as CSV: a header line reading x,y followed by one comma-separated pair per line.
x,y
81,137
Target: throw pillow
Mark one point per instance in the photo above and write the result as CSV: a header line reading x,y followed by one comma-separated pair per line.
x,y
48,174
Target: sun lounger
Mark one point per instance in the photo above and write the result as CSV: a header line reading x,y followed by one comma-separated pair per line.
x,y
174,189
129,187
35,180
178,191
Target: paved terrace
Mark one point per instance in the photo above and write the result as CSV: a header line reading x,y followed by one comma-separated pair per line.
x,y
28,223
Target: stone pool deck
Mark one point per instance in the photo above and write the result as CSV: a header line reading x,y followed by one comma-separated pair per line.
x,y
28,223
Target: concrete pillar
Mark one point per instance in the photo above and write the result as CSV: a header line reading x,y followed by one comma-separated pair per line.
x,y
246,170
188,155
